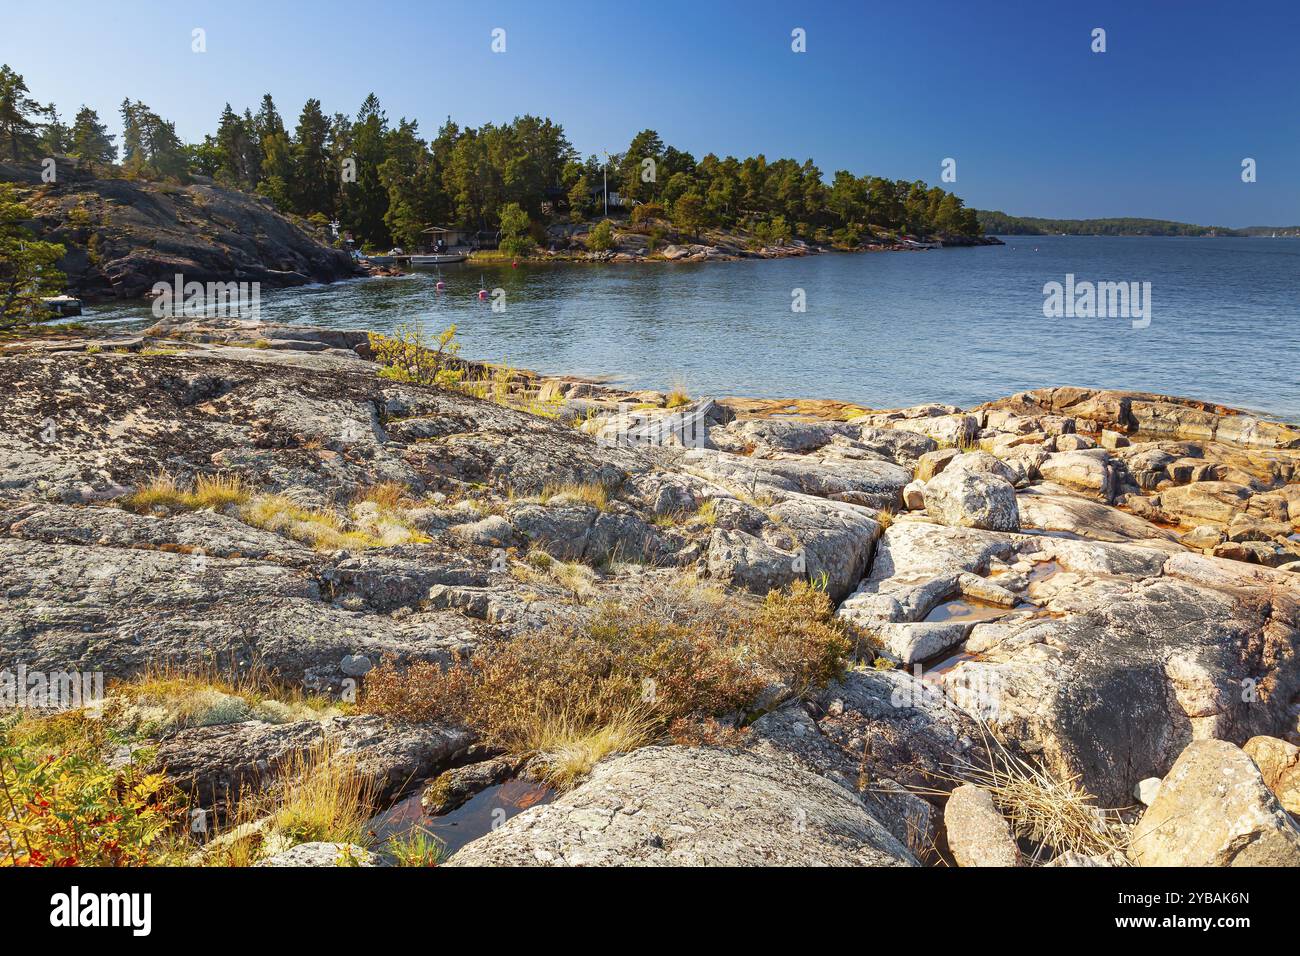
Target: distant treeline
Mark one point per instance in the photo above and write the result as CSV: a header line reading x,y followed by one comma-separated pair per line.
x,y
1000,224
385,183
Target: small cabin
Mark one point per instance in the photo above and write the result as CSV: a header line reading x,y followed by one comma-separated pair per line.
x,y
450,237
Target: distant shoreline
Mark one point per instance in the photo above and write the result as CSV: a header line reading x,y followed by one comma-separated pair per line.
x,y
997,223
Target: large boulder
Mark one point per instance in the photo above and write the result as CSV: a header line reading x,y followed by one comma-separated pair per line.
x,y
1214,502
978,835
969,499
1051,507
215,764
799,538
1089,472
1214,809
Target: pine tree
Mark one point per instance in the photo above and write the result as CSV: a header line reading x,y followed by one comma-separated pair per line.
x,y
56,138
19,138
27,272
91,140
313,183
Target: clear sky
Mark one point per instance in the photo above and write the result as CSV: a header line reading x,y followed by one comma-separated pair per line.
x,y
1156,126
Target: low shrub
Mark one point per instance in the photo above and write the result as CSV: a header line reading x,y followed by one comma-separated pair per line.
x,y
625,675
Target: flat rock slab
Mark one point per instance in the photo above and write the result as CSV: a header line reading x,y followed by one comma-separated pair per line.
x,y
678,806
321,854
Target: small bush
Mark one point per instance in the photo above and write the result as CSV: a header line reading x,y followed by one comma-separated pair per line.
x,y
70,808
601,237
647,211
410,356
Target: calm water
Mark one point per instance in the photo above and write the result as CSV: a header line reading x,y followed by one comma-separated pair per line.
x,y
884,329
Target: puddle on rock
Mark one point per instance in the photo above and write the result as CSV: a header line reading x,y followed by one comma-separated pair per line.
x,y
477,816
934,672
1044,570
965,609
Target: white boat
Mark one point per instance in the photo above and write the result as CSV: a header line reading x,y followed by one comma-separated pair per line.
x,y
438,258
63,305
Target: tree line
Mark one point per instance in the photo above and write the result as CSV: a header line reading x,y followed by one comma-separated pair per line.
x,y
384,182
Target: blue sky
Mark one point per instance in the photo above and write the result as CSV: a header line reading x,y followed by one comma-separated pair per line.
x,y
1039,125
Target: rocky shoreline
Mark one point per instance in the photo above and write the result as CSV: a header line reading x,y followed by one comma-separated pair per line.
x,y
1099,585
658,242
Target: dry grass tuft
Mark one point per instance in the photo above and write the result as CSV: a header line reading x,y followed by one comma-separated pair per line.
x,y
589,493
217,491
320,797
209,491
318,527
541,568
377,517
324,798
417,847
1054,813
164,699
160,492
382,513
705,514
388,495
708,512
677,398
570,748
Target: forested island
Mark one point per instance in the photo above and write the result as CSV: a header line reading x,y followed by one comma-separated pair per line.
x,y
384,183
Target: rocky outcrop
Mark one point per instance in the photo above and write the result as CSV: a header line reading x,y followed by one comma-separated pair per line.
x,y
124,235
1149,414
1104,660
